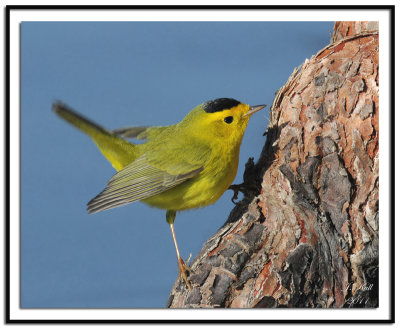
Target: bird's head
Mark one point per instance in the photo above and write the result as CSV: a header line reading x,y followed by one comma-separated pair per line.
x,y
223,119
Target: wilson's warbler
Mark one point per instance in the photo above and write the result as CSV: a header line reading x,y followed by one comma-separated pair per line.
x,y
183,166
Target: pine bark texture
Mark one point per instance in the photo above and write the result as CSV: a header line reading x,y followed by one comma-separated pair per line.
x,y
306,232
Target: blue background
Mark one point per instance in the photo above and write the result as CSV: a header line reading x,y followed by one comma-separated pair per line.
x,y
121,74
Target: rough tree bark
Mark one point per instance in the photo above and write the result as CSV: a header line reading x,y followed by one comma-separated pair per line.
x,y
306,232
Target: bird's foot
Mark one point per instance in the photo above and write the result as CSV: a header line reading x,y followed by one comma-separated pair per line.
x,y
246,188
236,188
183,269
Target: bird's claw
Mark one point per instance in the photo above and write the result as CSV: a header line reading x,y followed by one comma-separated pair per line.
x,y
236,188
183,268
245,188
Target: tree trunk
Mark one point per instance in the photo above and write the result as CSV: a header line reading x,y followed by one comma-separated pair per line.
x,y
306,232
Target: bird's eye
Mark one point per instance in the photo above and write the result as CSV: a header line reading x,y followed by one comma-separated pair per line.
x,y
228,119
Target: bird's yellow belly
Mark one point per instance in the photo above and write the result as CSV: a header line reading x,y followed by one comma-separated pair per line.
x,y
200,191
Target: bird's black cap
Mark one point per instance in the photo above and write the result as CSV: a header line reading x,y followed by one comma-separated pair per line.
x,y
220,104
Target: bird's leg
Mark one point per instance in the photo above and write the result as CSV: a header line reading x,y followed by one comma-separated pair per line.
x,y
181,264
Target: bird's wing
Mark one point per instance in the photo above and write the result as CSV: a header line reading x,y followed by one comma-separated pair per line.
x,y
146,177
139,132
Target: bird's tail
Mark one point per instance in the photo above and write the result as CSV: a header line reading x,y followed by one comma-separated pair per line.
x,y
117,150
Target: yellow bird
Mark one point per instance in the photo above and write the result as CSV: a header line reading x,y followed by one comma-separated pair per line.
x,y
182,166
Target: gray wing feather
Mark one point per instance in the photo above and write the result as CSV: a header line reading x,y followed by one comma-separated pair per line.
x,y
140,132
130,132
139,180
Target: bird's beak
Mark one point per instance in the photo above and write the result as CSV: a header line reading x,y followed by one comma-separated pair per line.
x,y
254,109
